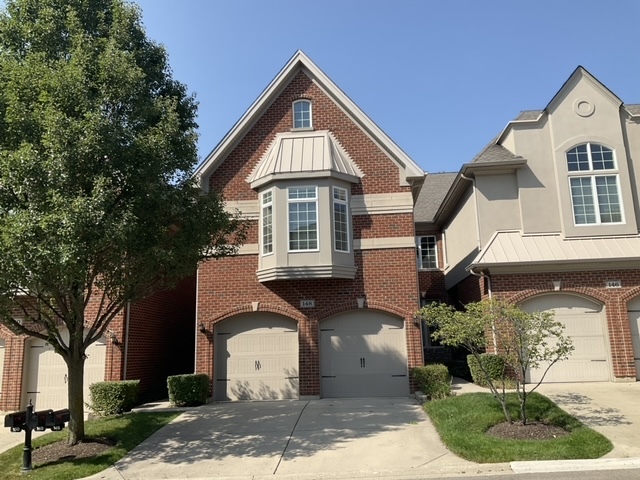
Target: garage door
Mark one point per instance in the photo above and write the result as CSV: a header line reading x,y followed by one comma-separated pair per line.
x,y
634,322
256,358
46,373
584,323
363,353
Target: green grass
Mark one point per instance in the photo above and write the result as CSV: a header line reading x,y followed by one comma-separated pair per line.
x,y
127,430
462,422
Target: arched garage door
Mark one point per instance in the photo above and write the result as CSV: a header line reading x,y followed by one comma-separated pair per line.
x,y
45,382
256,358
584,323
634,322
363,353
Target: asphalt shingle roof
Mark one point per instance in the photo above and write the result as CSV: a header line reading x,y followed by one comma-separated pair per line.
x,y
434,189
528,115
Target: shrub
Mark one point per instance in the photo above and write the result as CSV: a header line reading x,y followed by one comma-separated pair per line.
x,y
433,380
188,390
493,365
110,398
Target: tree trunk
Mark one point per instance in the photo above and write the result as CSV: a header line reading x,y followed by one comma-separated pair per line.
x,y
75,386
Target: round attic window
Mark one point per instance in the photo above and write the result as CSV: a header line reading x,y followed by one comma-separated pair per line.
x,y
583,107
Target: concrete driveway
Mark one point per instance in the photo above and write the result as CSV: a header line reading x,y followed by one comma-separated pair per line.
x,y
613,409
346,438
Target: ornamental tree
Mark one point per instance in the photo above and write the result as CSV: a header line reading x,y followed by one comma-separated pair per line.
x,y
98,205
526,340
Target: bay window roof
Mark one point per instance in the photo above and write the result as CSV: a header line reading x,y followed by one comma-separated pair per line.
x,y
306,154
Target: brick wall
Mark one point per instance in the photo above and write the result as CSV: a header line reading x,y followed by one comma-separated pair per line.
x,y
161,338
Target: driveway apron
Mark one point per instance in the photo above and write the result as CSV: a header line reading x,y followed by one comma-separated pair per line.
x,y
609,408
293,438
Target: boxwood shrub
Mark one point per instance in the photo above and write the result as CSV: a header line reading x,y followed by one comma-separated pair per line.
x,y
188,390
111,398
433,380
493,364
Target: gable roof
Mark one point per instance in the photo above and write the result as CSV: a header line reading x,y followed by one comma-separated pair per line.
x,y
533,116
409,169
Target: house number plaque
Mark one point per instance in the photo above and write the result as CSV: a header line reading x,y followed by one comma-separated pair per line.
x,y
614,284
307,303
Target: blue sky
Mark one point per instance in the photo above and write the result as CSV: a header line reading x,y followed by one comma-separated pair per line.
x,y
440,78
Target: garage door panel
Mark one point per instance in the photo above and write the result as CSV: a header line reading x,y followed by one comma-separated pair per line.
x,y
357,385
634,324
584,324
363,353
256,358
46,373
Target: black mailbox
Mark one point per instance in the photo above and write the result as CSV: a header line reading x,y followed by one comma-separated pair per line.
x,y
57,419
16,421
42,418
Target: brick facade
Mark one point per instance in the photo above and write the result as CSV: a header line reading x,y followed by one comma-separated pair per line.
x,y
386,277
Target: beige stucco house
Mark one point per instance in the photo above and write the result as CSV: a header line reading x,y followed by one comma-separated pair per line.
x,y
547,216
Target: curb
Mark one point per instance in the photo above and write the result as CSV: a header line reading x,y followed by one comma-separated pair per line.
x,y
550,466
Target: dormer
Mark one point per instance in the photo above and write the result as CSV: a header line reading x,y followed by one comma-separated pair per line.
x,y
304,182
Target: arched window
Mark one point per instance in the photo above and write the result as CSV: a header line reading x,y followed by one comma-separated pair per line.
x,y
594,184
302,114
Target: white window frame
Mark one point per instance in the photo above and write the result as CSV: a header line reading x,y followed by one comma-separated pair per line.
x,y
266,211
419,252
291,201
303,120
591,174
341,203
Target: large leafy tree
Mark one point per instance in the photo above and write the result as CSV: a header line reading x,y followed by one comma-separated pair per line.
x,y
97,201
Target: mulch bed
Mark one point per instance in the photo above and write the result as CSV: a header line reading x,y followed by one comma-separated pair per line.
x,y
530,431
61,451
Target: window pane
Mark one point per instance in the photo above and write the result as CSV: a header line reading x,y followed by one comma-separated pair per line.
x,y
303,226
582,199
427,252
578,159
267,222
302,114
602,157
608,199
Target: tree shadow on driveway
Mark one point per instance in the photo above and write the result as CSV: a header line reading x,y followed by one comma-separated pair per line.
x,y
582,407
217,437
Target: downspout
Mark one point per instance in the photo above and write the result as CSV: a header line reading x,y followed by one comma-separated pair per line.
x,y
126,339
195,324
487,278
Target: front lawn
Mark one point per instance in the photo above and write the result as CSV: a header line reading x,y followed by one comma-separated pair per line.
x,y
126,431
462,422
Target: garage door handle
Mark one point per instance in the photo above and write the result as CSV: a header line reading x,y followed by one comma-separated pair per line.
x,y
363,362
65,378
257,365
